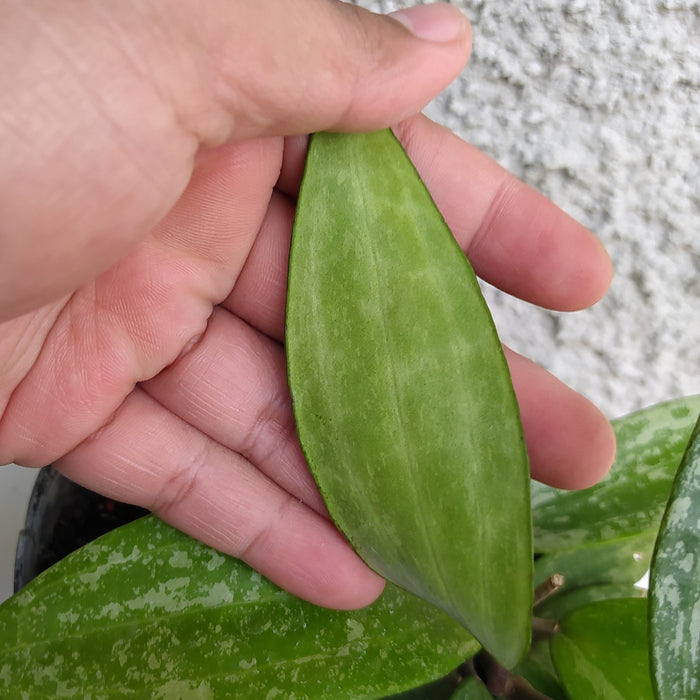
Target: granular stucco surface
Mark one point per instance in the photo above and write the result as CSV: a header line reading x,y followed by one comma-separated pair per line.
x,y
597,104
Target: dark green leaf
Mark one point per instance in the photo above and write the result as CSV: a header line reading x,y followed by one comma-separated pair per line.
x,y
472,689
149,612
537,669
632,497
675,586
601,652
402,396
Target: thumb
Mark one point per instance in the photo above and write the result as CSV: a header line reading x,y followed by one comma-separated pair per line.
x,y
103,107
300,67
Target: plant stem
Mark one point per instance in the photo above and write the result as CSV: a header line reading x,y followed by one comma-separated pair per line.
x,y
543,628
522,690
548,588
503,683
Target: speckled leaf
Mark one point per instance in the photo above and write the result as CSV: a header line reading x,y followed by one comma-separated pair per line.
x,y
403,400
147,611
674,600
440,689
601,652
632,497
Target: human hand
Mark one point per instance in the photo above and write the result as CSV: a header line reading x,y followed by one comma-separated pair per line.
x,y
148,195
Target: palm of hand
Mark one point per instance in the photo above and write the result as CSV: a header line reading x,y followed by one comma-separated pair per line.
x,y
162,382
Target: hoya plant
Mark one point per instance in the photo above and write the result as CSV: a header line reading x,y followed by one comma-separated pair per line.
x,y
497,586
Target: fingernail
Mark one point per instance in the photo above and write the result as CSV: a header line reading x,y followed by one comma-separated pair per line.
x,y
440,23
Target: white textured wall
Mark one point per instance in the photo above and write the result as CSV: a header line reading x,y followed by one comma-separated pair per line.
x,y
597,104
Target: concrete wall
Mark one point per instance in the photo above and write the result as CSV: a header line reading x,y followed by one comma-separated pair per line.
x,y
597,104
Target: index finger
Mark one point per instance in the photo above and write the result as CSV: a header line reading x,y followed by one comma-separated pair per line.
x,y
515,238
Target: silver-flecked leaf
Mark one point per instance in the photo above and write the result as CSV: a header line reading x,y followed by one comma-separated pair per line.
x,y
148,612
674,590
632,497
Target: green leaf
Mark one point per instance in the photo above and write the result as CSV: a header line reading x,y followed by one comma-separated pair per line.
x,y
441,689
559,605
149,612
402,396
601,652
537,669
623,560
674,602
472,689
632,496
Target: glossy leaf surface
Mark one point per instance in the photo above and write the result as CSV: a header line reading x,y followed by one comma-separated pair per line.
x,y
623,560
632,497
147,612
402,397
674,599
602,652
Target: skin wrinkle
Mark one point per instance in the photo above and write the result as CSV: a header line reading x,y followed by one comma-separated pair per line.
x,y
141,330
182,484
144,68
256,542
19,429
278,403
266,437
179,486
500,202
281,436
33,329
108,124
216,178
77,68
134,342
67,344
262,280
265,421
81,338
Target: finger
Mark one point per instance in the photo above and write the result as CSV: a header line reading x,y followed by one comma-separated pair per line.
x,y
570,442
259,294
149,457
232,386
515,238
21,340
293,161
122,96
329,65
